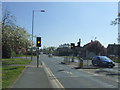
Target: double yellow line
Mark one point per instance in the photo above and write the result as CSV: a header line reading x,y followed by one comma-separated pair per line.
x,y
58,84
52,77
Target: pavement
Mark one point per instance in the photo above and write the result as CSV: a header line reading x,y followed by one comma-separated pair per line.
x,y
33,77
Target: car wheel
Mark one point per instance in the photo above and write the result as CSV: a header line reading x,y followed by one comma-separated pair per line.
x,y
110,66
93,63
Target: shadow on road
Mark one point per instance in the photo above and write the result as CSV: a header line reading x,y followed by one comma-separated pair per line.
x,y
113,74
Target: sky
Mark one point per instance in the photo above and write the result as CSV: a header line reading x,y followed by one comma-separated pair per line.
x,y
66,22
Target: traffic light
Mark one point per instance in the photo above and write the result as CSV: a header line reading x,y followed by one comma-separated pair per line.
x,y
78,44
72,45
38,43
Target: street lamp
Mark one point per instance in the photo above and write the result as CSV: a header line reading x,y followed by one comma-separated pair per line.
x,y
33,26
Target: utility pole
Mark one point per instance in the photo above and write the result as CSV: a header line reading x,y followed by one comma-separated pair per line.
x,y
117,22
80,41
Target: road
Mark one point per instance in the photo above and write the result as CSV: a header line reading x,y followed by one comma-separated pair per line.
x,y
74,78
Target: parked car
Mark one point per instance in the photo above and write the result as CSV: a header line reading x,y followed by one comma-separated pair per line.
x,y
103,61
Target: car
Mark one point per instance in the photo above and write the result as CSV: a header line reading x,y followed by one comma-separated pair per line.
x,y
50,55
102,61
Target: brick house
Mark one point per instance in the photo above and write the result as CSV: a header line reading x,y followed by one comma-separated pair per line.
x,y
113,49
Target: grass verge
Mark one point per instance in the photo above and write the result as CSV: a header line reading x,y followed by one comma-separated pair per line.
x,y
15,61
117,61
10,74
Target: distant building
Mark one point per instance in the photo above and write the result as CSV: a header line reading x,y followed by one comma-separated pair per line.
x,y
86,53
63,51
113,49
92,49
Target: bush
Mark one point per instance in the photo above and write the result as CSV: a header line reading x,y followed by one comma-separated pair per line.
x,y
6,51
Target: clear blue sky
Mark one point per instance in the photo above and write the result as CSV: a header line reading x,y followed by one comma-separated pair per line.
x,y
66,22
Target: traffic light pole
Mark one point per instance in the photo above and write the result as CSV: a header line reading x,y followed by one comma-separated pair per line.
x,y
72,48
37,57
73,56
38,44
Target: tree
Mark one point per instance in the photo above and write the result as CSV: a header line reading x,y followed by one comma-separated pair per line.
x,y
7,30
6,51
49,50
21,38
13,37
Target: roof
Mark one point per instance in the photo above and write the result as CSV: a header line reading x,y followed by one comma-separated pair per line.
x,y
113,45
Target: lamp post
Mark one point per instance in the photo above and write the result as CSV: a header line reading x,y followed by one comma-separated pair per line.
x,y
33,27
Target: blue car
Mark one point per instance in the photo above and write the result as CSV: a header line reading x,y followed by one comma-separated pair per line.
x,y
103,61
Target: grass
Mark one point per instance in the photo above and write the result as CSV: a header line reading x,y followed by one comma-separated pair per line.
x,y
10,74
15,61
117,61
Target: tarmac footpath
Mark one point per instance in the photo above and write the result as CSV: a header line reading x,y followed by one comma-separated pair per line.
x,y
33,77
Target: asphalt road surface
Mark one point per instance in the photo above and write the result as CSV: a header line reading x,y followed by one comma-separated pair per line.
x,y
74,78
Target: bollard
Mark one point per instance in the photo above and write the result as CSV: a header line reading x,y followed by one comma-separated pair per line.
x,y
69,60
81,63
72,59
65,59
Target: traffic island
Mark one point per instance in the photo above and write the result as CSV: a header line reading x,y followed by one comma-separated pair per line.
x,y
62,63
85,67
81,65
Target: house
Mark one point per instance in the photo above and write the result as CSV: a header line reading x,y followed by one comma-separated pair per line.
x,y
113,49
63,51
92,49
